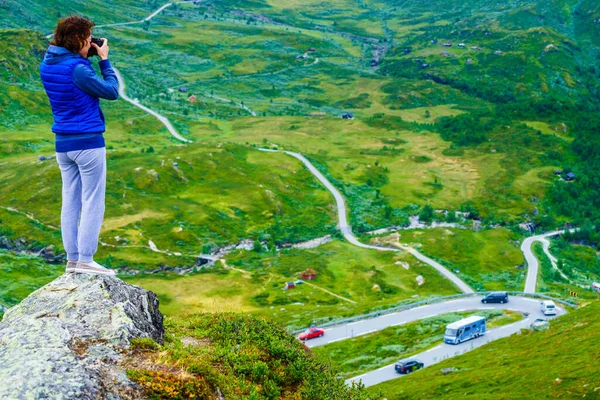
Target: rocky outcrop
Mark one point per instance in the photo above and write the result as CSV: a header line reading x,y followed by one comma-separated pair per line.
x,y
66,340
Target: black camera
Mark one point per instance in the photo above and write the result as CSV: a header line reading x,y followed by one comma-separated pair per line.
x,y
92,51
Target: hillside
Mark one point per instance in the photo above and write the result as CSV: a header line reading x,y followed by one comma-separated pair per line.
x,y
463,112
472,143
89,336
517,366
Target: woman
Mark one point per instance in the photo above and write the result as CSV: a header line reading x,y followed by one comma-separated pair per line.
x,y
74,91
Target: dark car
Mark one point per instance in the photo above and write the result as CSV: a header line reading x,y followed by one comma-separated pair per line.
x,y
496,297
408,366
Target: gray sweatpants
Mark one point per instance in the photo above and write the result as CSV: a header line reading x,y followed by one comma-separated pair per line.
x,y
84,184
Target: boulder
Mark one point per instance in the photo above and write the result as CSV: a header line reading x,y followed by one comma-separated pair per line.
x,y
540,326
65,340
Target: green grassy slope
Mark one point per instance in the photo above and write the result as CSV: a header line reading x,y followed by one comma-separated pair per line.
x,y
482,136
561,362
239,357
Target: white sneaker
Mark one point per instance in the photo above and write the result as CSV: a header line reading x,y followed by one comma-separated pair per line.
x,y
92,268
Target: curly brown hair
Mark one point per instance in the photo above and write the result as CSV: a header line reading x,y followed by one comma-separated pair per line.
x,y
72,32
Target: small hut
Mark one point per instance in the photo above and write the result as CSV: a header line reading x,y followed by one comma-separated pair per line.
x,y
290,285
192,99
308,274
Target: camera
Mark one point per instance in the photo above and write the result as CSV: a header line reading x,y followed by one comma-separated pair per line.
x,y
92,51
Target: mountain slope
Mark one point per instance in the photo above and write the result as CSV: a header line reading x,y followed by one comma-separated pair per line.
x,y
561,362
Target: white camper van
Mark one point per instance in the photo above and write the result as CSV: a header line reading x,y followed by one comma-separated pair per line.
x,y
548,307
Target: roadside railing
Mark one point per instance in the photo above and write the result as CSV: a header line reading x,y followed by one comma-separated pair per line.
x,y
440,299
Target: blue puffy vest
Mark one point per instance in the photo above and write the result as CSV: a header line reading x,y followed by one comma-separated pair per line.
x,y
75,112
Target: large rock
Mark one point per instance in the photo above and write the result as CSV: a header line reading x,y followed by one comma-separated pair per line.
x,y
66,339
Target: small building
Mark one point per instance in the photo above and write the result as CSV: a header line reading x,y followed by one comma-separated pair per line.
x,y
475,48
183,89
434,41
311,50
347,116
569,176
447,44
423,66
461,45
557,172
301,57
469,61
445,53
289,285
499,52
308,274
374,63
407,50
192,99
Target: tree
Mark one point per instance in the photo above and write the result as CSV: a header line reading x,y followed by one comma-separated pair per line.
x,y
426,214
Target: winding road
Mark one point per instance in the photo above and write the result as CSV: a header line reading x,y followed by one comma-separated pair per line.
x,y
529,307
347,229
532,262
161,118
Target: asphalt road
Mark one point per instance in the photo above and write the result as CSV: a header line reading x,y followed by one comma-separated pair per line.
x,y
529,307
532,262
161,118
347,229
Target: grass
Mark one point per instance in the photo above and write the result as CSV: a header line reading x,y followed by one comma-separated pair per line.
x,y
508,368
487,260
22,274
239,357
356,356
576,262
389,162
368,280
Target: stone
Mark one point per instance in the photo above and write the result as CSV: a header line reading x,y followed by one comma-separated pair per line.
x,y
65,340
540,326
446,371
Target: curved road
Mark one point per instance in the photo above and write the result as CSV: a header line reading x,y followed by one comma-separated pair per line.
x,y
347,229
529,307
162,119
532,262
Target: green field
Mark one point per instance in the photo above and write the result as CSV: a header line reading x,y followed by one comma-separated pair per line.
x,y
516,367
349,281
479,130
358,355
489,259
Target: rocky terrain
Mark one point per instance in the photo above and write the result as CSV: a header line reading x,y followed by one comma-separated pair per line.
x,y
68,339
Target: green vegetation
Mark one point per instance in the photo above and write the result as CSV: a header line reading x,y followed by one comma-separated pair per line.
x,y
572,272
349,281
238,357
365,353
22,274
489,259
471,130
516,366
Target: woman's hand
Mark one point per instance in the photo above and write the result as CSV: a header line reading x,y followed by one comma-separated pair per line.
x,y
102,51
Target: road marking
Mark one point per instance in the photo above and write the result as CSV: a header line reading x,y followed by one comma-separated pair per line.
x,y
336,340
364,333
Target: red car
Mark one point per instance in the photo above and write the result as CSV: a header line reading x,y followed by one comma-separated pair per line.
x,y
311,333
